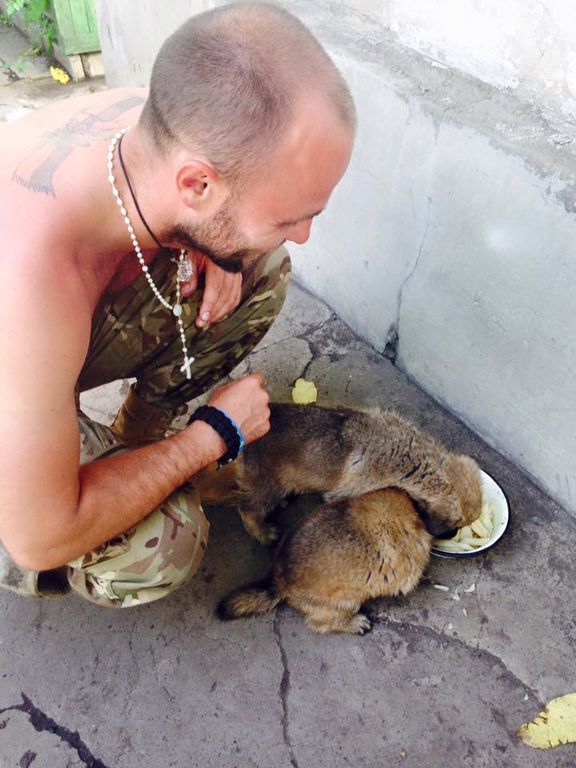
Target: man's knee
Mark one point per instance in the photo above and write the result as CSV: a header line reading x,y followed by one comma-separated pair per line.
x,y
150,561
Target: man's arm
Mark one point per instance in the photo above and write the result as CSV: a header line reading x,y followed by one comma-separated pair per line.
x,y
119,491
52,510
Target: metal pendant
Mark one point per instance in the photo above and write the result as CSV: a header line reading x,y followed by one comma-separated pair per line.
x,y
185,269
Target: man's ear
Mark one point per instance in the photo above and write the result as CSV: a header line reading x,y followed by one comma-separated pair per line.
x,y
201,188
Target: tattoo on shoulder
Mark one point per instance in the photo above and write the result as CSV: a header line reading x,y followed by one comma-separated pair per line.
x,y
36,172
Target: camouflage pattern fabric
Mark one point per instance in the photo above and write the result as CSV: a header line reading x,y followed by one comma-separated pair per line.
x,y
151,559
134,336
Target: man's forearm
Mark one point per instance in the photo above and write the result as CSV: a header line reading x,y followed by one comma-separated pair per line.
x,y
118,491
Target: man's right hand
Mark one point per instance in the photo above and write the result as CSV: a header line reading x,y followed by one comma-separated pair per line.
x,y
246,402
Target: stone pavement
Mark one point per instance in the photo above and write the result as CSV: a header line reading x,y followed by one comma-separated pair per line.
x,y
440,682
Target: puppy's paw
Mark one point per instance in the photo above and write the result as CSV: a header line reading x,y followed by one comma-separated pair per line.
x,y
268,535
360,624
372,610
263,532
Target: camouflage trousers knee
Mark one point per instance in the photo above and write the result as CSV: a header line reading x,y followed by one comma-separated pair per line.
x,y
151,559
133,337
147,562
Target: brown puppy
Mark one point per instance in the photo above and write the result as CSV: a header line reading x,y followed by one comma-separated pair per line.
x,y
342,453
344,553
364,543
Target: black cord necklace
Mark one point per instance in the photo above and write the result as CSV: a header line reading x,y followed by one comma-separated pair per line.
x,y
133,196
185,268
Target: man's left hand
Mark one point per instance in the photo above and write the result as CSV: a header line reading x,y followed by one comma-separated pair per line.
x,y
222,291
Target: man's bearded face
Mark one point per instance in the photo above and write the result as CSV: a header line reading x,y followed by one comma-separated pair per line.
x,y
219,240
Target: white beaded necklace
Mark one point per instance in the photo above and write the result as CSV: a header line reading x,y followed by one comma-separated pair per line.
x,y
183,265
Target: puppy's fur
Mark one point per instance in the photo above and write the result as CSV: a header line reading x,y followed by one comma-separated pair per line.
x,y
343,554
344,453
366,542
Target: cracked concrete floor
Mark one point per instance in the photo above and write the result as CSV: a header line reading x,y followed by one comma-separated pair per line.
x,y
439,682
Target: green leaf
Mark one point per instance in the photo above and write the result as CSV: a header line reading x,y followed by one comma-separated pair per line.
x,y
14,6
33,14
40,26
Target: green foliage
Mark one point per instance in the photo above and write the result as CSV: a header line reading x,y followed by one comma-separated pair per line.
x,y
14,5
38,21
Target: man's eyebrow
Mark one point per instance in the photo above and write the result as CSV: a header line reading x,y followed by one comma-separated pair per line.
x,y
291,223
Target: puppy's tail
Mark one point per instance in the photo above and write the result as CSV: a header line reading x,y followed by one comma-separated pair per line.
x,y
252,600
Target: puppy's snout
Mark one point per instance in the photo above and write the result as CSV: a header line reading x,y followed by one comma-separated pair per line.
x,y
440,529
445,533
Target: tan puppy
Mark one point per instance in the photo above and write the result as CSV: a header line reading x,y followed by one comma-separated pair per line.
x,y
344,553
366,542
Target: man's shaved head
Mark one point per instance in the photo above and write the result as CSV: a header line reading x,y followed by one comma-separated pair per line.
x,y
227,82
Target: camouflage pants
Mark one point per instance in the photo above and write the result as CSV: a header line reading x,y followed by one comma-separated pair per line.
x,y
134,336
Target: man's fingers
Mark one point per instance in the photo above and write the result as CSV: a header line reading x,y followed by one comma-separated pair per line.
x,y
211,292
225,298
188,288
221,295
247,403
229,296
237,294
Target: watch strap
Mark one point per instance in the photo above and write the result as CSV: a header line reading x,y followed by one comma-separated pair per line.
x,y
226,428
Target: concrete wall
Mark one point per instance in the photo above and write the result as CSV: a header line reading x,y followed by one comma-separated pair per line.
x,y
528,46
451,242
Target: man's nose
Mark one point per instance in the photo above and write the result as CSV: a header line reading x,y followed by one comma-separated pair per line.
x,y
300,232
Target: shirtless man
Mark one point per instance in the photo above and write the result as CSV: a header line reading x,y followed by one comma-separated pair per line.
x,y
238,145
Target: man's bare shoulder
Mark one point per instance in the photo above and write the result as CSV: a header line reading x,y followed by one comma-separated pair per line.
x,y
86,110
48,174
38,144
54,263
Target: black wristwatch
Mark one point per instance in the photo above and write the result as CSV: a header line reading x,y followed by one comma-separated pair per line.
x,y
226,428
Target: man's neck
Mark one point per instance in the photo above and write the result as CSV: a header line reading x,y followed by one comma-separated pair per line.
x,y
103,241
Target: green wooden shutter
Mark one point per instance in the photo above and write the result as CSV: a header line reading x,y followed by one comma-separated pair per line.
x,y
77,26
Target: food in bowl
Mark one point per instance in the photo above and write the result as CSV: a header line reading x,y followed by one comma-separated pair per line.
x,y
472,536
485,532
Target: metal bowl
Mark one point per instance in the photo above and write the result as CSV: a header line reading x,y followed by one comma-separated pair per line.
x,y
493,494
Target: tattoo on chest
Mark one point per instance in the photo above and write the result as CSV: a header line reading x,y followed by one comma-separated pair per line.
x,y
36,171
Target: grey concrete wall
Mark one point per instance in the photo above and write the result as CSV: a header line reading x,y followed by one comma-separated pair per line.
x,y
451,242
527,46
132,32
